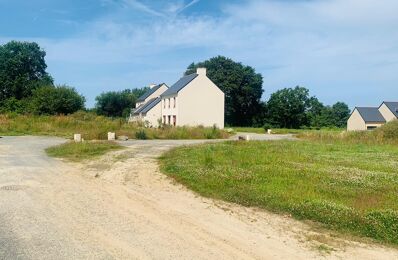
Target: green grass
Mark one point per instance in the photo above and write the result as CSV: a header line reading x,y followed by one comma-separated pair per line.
x,y
351,187
93,127
82,151
257,130
387,134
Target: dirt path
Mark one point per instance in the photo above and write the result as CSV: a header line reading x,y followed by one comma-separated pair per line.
x,y
121,207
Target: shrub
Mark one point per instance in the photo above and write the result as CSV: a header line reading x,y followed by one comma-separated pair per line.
x,y
141,134
267,126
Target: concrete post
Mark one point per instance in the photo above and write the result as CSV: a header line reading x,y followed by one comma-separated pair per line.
x,y
111,136
77,138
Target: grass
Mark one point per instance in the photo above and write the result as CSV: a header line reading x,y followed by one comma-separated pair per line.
x,y
94,127
81,151
257,130
387,134
347,186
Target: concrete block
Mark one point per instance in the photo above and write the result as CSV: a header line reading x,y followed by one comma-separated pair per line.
x,y
111,136
77,138
269,131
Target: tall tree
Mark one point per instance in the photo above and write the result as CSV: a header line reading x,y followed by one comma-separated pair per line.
x,y
22,69
117,103
241,85
287,107
340,113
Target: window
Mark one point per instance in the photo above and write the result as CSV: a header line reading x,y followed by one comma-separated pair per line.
x,y
169,102
169,117
174,120
371,127
175,100
164,119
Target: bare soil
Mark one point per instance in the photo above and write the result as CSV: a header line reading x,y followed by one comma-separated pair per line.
x,y
121,207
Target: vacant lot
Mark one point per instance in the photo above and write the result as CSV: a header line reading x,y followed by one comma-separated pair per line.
x,y
348,187
94,127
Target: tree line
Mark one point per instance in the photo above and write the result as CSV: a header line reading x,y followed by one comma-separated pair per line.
x,y
26,87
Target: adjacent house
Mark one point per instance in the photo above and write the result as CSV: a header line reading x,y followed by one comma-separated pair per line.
x,y
193,100
148,109
368,118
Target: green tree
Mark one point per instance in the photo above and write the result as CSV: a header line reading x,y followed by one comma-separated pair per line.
x,y
287,107
50,100
22,69
117,103
241,85
340,114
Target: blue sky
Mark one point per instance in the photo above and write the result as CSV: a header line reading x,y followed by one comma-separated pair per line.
x,y
342,50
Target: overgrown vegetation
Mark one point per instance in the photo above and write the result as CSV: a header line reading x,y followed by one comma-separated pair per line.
x,y
94,127
346,182
81,151
387,134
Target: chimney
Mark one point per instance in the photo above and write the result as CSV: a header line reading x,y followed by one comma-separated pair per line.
x,y
201,71
152,85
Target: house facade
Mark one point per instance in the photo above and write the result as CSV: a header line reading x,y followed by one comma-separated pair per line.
x,y
148,109
193,100
369,118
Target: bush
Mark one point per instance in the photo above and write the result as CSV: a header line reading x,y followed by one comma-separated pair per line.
x,y
49,100
141,134
267,126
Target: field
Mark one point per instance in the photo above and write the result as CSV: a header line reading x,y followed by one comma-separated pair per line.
x,y
81,151
93,127
346,182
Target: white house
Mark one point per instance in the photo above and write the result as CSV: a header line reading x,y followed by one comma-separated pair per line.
x,y
193,100
368,118
148,109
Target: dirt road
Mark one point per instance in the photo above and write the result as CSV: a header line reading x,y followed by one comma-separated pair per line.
x,y
121,207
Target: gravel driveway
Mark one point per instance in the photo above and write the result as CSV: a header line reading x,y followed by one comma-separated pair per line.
x,y
121,207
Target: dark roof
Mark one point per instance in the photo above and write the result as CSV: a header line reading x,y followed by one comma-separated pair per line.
x,y
393,106
143,106
180,84
371,114
150,105
149,92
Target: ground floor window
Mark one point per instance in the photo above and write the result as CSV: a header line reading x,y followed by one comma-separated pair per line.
x,y
169,120
371,127
164,119
174,120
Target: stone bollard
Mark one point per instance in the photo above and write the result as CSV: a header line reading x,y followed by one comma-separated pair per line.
x,y
111,136
269,131
77,138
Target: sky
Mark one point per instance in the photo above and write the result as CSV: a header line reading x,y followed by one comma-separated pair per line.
x,y
341,50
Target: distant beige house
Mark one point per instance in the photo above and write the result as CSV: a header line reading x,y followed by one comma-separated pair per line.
x,y
368,118
148,109
193,100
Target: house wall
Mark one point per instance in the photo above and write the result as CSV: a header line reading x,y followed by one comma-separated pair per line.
x,y
386,112
153,115
356,122
201,102
373,125
168,108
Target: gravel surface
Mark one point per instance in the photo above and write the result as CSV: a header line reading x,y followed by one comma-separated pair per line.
x,y
121,207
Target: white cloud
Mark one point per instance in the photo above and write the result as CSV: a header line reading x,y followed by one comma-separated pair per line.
x,y
334,47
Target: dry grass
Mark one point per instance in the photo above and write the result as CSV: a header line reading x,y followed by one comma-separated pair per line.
x,y
94,127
